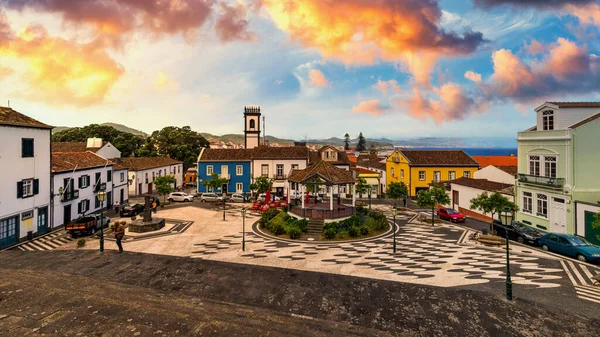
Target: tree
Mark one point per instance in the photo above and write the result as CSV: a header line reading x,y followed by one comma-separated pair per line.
x,y
435,195
373,150
261,184
362,143
148,148
214,182
362,186
346,142
494,203
126,142
180,143
397,190
164,185
596,224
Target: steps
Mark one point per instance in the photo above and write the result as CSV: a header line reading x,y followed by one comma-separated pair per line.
x,y
315,227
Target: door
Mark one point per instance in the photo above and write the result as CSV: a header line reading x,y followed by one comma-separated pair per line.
x,y
66,214
279,191
455,199
224,189
42,220
565,247
558,216
109,200
121,195
224,171
9,233
149,188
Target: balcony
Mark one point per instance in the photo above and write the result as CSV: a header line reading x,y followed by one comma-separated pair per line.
x,y
540,180
280,176
70,195
225,176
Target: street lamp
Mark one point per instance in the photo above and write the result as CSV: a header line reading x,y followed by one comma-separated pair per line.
x,y
394,212
370,188
508,214
101,198
432,206
243,229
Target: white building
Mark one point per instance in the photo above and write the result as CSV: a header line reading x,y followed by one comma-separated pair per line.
x,y
77,179
25,179
376,164
102,148
463,189
143,170
120,190
277,163
499,174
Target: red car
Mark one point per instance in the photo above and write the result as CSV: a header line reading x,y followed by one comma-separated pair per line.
x,y
450,214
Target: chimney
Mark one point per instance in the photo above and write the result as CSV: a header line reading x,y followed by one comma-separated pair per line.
x,y
94,143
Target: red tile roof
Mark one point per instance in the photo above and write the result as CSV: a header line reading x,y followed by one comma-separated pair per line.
x,y
576,104
363,170
69,161
145,163
74,147
11,117
286,152
497,161
324,170
484,184
226,155
439,158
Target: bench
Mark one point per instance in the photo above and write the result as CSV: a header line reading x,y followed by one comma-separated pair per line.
x,y
491,240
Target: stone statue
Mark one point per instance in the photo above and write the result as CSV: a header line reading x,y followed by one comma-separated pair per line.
x,y
147,209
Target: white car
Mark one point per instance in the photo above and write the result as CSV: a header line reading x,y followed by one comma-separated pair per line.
x,y
180,196
262,196
210,197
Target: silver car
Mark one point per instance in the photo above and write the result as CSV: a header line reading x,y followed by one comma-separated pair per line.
x,y
212,197
238,197
180,196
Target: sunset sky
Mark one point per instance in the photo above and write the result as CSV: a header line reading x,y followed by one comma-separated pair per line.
x,y
318,68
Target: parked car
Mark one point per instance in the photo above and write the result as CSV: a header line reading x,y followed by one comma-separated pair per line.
x,y
450,214
262,196
238,197
180,196
571,245
88,224
131,210
518,231
212,197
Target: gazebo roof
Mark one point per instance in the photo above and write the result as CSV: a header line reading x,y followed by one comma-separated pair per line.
x,y
324,170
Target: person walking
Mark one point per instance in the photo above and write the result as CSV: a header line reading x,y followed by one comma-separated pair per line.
x,y
119,234
154,206
404,202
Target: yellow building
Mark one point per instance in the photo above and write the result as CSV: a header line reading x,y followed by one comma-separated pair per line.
x,y
420,168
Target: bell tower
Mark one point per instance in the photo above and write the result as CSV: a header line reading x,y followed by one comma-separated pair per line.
x,y
251,126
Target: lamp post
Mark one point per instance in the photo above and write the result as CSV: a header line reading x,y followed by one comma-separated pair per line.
x,y
432,207
394,212
508,214
101,198
370,188
243,229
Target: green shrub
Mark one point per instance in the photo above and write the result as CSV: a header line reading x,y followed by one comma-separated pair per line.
x,y
329,233
294,232
331,225
302,225
278,220
364,230
361,210
370,222
276,228
354,220
381,224
343,234
268,215
353,231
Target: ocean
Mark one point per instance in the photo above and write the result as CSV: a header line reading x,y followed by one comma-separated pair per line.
x,y
475,151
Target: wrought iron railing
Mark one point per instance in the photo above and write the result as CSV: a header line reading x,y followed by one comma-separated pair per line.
x,y
319,213
70,195
541,180
280,176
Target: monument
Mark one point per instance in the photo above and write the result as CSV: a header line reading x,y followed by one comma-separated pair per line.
x,y
147,223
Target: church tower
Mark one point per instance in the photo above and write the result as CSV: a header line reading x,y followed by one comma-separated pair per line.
x,y
251,126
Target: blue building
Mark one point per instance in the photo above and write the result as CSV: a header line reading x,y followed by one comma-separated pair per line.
x,y
231,164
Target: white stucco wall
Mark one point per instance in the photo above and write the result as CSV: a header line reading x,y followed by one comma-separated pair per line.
x,y
14,168
287,168
120,184
565,117
109,151
86,193
140,178
465,194
493,173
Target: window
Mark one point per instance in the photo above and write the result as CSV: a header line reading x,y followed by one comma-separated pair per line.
x,y
122,176
392,171
467,174
547,120
209,170
83,206
159,173
239,187
401,173
534,165
553,237
550,166
451,175
108,175
27,147
84,181
27,188
153,175
26,215
437,176
98,181
294,166
527,202
542,205
178,169
421,175
279,170
264,170
326,154
8,227
252,124
563,241
146,177
97,202
239,170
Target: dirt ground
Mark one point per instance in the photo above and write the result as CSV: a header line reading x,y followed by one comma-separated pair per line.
x,y
85,293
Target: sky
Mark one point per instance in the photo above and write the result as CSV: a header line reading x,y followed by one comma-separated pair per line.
x,y
317,68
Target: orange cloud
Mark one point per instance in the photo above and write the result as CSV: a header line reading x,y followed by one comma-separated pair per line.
x,y
232,24
367,31
60,72
587,14
384,86
372,107
473,76
317,78
535,47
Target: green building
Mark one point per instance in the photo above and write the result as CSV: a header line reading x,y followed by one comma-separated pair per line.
x,y
558,184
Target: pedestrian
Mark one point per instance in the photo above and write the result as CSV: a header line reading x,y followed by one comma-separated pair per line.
x,y
119,233
154,206
404,202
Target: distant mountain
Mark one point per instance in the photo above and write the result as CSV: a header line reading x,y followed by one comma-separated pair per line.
x,y
119,127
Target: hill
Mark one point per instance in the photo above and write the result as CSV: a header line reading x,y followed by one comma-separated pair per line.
x,y
119,127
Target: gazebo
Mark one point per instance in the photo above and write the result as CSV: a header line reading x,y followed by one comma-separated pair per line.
x,y
321,173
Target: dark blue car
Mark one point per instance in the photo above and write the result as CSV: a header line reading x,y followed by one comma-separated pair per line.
x,y
571,245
